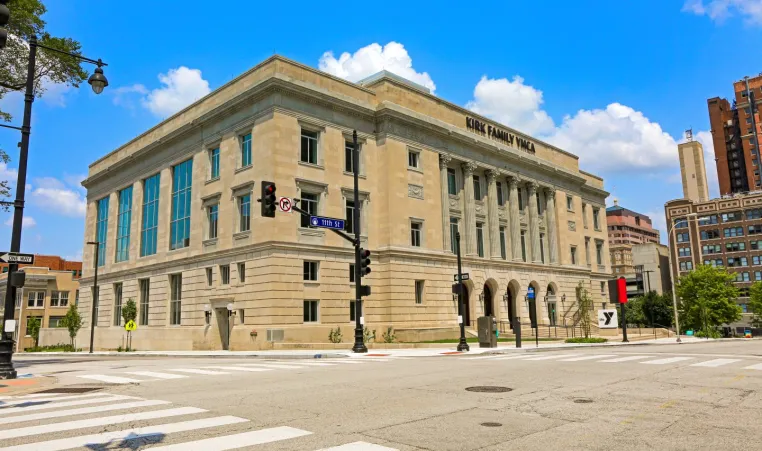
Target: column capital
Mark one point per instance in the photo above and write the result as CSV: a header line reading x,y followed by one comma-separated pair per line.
x,y
444,160
513,180
532,187
492,174
550,192
469,168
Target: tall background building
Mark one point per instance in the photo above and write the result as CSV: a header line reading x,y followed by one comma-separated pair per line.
x,y
625,229
693,170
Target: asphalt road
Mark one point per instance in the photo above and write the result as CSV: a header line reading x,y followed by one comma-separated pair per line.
x,y
674,397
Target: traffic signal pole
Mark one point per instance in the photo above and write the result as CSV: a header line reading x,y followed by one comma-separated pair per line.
x,y
359,342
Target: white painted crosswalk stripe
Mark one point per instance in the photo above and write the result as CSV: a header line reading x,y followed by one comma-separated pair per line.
x,y
346,361
81,411
79,402
716,362
93,422
198,371
512,357
276,366
238,368
550,357
359,446
111,379
588,357
157,375
317,364
237,441
629,358
666,361
128,434
18,401
754,367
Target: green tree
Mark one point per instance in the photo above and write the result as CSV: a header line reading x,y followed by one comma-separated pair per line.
x,y
657,309
635,316
33,324
73,322
755,304
129,311
707,299
584,306
51,68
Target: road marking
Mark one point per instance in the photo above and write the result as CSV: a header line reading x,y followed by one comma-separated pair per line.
x,y
93,422
665,361
238,368
359,446
128,434
197,371
317,364
482,357
157,375
716,362
81,411
17,401
113,398
346,361
627,359
276,366
587,357
754,367
555,356
236,441
111,379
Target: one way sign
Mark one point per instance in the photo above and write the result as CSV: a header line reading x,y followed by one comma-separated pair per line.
x,y
14,257
607,319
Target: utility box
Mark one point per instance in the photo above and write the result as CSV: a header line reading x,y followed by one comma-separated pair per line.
x,y
487,327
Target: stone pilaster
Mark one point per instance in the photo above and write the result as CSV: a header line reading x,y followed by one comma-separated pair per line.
x,y
514,218
534,222
469,217
494,226
552,225
444,160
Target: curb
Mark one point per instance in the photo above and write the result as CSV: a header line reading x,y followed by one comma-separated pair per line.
x,y
611,344
191,356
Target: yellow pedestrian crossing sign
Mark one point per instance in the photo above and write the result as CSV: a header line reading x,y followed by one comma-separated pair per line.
x,y
130,326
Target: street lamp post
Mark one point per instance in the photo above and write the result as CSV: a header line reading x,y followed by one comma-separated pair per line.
x,y
96,293
98,82
673,265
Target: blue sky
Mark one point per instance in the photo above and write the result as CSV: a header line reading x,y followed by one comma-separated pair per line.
x,y
614,82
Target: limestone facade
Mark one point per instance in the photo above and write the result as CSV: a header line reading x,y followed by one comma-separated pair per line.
x,y
525,211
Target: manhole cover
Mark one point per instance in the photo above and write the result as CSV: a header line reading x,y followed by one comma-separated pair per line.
x,y
71,390
583,400
489,389
492,425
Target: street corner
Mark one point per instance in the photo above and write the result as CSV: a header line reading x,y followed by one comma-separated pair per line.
x,y
24,383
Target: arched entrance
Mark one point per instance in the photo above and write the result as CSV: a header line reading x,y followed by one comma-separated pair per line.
x,y
532,294
488,301
512,306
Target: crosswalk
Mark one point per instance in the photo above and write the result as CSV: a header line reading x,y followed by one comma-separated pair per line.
x,y
221,369
645,359
47,422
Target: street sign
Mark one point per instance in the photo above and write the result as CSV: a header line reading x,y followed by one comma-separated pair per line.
x,y
10,326
607,319
284,204
530,292
463,276
15,257
327,223
130,326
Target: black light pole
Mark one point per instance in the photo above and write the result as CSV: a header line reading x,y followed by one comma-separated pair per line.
x,y
96,293
462,344
98,82
359,345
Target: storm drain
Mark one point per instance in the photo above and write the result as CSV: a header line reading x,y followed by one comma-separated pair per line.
x,y
583,400
73,390
492,425
489,389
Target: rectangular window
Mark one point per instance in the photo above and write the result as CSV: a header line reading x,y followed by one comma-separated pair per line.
x,y
63,298
680,223
36,299
150,222
452,184
737,262
117,304
477,188
684,251
244,213
454,235
101,229
500,198
54,298
179,227
683,237
246,150
742,277
523,245
754,213
710,234
521,198
755,245
311,311
686,266
735,247
733,216
352,310
584,215
310,271
349,157
212,214
209,277
241,272
28,318
309,203
351,273
55,321
144,285
176,303
755,229
542,247
413,159
732,232
573,255
596,218
309,148
569,203
502,243
419,285
756,260
480,239
224,274
599,252
123,220
349,222
214,164
415,234
757,275
711,249
717,262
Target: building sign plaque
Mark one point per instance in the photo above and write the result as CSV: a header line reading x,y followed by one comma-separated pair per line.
x,y
498,134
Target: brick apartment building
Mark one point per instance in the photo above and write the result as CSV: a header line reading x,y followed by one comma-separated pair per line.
x,y
625,229
52,262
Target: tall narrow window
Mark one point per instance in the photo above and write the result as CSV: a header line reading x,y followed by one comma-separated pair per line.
x,y
599,252
413,159
179,228
246,150
419,285
415,234
480,239
145,288
596,218
477,188
117,304
309,147
569,203
311,311
214,164
587,251
176,303
349,156
573,251
244,210
523,245
452,184
542,247
310,271
309,203
150,222
502,242
454,235
224,274
349,223
209,277
351,273
521,198
101,229
584,216
213,212
54,298
499,188
123,220
242,272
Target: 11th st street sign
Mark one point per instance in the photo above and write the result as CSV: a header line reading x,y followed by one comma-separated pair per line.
x,y
327,223
14,257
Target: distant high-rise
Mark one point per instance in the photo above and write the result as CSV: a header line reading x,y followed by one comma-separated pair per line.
x,y
693,171
735,134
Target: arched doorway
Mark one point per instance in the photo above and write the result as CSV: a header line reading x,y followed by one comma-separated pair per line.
x,y
532,293
488,301
466,306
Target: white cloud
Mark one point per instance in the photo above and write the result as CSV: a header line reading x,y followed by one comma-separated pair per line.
x,y
53,195
123,96
8,174
372,59
719,10
26,223
182,86
74,258
511,102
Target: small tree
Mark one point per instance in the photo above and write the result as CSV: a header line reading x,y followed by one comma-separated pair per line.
x,y
73,322
33,327
584,305
707,298
755,304
129,311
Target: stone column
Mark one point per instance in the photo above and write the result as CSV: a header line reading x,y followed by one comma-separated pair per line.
x,y
514,218
443,161
469,217
551,225
494,226
534,222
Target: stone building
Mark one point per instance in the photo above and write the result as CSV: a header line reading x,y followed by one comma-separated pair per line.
x,y
176,211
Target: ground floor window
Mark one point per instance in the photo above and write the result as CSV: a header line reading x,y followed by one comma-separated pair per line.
x,y
311,311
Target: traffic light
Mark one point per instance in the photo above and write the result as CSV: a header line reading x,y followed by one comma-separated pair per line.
x,y
268,199
5,16
364,262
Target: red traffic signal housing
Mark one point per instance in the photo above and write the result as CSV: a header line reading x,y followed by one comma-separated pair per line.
x,y
268,199
618,290
364,261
